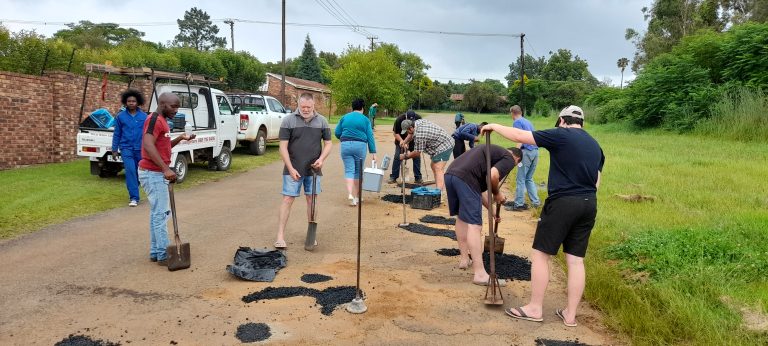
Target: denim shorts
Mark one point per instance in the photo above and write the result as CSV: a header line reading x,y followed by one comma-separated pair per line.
x,y
292,188
351,154
444,156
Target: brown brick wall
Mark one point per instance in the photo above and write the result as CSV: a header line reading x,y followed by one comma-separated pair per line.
x,y
39,115
322,100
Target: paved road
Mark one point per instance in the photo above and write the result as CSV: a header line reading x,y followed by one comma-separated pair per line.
x,y
91,276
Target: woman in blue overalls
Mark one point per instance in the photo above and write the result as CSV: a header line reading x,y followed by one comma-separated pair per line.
x,y
126,141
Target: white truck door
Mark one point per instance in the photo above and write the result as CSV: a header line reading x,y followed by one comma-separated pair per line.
x,y
227,124
276,115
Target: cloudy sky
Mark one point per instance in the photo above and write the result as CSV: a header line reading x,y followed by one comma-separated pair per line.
x,y
591,29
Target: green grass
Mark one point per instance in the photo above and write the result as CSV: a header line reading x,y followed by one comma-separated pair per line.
x,y
43,195
380,119
679,269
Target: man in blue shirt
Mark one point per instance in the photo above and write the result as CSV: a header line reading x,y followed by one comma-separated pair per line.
x,y
126,140
524,179
466,132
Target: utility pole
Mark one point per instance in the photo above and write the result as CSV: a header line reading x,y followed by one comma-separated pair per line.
x,y
522,73
231,23
282,85
372,38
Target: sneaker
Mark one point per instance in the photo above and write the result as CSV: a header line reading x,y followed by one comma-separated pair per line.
x,y
517,208
392,181
418,181
133,203
163,262
153,259
353,202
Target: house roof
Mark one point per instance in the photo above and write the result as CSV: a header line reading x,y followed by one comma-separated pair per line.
x,y
457,97
300,83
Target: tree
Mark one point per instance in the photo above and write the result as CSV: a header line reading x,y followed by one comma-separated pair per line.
x,y
564,66
622,64
480,98
413,67
86,34
533,67
197,31
291,66
434,97
309,65
371,76
244,71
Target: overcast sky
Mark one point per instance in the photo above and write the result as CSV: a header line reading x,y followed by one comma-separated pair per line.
x,y
591,29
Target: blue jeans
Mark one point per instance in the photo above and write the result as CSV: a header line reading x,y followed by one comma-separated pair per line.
x,y
396,165
131,160
351,153
525,179
156,188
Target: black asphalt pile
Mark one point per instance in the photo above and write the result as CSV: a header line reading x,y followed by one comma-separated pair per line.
x,y
397,199
448,252
509,266
252,332
328,298
440,220
413,186
548,342
82,340
426,230
315,278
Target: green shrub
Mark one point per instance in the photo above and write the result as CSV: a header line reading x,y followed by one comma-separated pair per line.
x,y
742,114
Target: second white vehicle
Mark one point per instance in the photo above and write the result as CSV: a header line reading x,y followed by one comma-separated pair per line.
x,y
260,119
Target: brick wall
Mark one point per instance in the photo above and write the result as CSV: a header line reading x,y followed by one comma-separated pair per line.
x,y
322,101
39,115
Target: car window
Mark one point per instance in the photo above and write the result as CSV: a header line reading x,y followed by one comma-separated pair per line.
x,y
224,107
276,106
251,103
235,100
187,100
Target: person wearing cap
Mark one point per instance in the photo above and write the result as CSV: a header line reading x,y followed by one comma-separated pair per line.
x,y
397,129
430,138
467,192
576,163
524,179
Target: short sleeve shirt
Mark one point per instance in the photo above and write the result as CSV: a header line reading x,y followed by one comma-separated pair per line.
x,y
305,140
471,168
157,125
575,160
398,128
430,138
525,124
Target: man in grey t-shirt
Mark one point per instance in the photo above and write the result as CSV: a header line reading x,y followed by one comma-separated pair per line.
x,y
305,142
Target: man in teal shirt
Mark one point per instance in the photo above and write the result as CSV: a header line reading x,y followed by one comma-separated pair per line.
x,y
372,114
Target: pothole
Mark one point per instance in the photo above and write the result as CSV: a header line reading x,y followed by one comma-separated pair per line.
x,y
253,332
426,230
440,220
397,199
82,340
315,278
548,342
328,298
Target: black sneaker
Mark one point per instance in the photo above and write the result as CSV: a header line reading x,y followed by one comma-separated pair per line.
x,y
517,208
163,262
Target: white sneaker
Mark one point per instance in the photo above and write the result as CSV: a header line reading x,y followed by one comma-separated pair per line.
x,y
133,203
353,202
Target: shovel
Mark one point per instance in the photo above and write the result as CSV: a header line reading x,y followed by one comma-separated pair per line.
x,y
309,243
178,254
499,241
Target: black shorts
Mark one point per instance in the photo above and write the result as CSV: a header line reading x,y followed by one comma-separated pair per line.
x,y
567,221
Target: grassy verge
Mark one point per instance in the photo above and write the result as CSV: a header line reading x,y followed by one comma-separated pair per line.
x,y
380,120
691,266
43,195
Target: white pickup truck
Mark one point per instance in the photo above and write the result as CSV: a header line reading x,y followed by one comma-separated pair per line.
x,y
260,119
207,109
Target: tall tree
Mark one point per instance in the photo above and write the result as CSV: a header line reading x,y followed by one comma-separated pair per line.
x,y
86,34
197,31
480,97
371,76
622,64
309,65
533,67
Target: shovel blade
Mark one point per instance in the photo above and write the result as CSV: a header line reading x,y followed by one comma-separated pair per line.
x,y
499,246
309,243
179,257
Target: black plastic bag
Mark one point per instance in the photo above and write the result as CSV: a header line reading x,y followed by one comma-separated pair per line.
x,y
257,265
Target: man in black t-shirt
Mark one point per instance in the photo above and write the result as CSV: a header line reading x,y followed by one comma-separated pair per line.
x,y
397,129
467,190
576,162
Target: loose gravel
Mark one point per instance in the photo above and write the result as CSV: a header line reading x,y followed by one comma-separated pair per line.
x,y
440,220
82,340
252,332
315,278
426,230
509,266
328,298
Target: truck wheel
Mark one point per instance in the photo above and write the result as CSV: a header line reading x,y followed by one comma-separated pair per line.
x,y
110,169
181,166
259,146
224,160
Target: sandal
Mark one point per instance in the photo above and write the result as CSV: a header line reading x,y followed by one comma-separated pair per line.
x,y
559,313
280,244
522,315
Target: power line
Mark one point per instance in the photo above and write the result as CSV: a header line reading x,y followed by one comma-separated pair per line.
x,y
348,19
335,13
316,25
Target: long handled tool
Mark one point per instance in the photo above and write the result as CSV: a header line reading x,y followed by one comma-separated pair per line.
x,y
499,248
495,297
402,189
309,243
357,305
179,256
